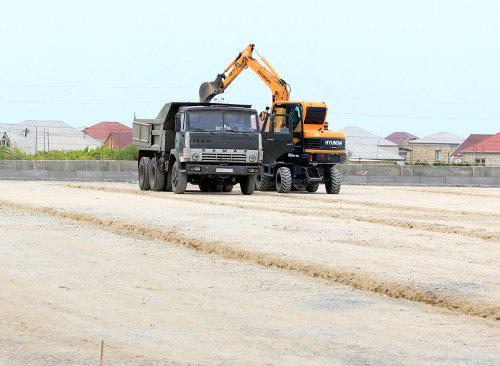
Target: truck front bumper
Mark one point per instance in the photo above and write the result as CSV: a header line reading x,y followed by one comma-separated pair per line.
x,y
205,169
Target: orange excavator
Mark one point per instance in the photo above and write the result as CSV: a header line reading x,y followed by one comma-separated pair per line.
x,y
300,153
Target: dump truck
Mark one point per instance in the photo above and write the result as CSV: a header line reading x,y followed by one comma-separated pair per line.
x,y
300,152
214,146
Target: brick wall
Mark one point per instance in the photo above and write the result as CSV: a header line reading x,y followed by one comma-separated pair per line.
x,y
427,152
490,159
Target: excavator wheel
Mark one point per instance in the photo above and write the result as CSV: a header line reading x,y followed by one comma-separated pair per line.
x,y
227,189
333,181
313,187
264,183
283,180
144,173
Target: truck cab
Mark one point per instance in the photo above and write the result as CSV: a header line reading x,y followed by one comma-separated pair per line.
x,y
214,146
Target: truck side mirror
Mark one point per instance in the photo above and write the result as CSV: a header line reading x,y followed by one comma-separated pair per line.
x,y
178,124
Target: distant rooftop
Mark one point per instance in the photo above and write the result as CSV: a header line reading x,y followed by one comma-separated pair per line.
x,y
490,144
468,142
101,130
364,145
399,138
42,135
440,138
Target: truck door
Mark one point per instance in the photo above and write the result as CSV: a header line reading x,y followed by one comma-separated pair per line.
x,y
277,138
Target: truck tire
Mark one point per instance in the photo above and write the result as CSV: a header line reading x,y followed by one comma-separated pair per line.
x,y
333,181
312,187
144,173
247,184
227,189
283,180
214,187
167,187
204,187
263,183
179,179
156,175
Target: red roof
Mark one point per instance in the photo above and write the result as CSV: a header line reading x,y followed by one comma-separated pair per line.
x,y
118,140
101,130
468,142
490,144
399,138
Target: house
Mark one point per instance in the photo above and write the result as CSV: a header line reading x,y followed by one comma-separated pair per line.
x,y
485,152
402,139
364,146
434,148
118,140
457,155
101,130
32,136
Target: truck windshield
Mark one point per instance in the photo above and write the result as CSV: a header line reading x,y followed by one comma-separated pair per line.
x,y
222,121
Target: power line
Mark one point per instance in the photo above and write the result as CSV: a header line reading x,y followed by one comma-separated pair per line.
x,y
416,117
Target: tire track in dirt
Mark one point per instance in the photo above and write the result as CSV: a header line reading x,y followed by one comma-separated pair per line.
x,y
357,280
341,213
462,193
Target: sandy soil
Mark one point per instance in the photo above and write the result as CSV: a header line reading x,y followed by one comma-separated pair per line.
x,y
375,275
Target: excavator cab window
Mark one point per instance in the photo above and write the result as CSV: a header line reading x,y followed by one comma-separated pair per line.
x,y
280,120
295,112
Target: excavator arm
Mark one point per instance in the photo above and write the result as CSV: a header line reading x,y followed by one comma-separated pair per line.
x,y
279,87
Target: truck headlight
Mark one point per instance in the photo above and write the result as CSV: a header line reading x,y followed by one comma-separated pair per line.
x,y
195,156
252,158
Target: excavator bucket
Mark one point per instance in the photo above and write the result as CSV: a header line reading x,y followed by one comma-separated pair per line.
x,y
210,89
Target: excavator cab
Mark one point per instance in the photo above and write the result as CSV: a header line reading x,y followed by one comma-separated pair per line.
x,y
277,138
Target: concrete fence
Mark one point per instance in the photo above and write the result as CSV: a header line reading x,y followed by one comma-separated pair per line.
x,y
107,170
421,175
76,170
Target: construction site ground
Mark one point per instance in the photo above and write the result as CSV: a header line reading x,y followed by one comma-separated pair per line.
x,y
372,276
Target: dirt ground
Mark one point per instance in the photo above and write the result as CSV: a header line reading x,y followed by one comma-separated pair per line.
x,y
372,276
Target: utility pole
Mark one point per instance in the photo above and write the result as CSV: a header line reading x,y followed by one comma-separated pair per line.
x,y
48,142
44,139
36,139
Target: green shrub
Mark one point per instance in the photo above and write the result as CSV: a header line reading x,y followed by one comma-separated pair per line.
x,y
101,153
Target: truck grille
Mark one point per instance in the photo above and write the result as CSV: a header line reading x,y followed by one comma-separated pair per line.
x,y
312,144
227,157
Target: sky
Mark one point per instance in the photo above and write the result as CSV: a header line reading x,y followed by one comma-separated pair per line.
x,y
389,65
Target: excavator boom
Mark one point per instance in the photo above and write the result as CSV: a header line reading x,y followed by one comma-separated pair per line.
x,y
279,87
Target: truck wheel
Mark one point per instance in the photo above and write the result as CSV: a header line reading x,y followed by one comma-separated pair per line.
x,y
247,184
333,181
283,180
144,173
263,183
227,189
179,179
204,187
216,187
313,187
167,187
156,175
